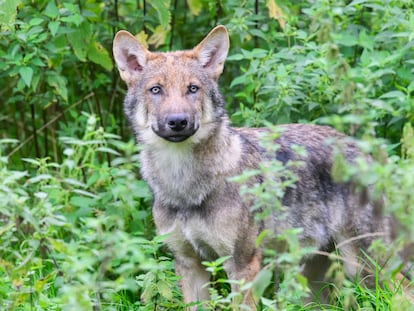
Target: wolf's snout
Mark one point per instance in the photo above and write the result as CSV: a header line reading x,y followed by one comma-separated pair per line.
x,y
177,122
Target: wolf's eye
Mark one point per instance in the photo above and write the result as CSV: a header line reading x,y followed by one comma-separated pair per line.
x,y
155,90
193,88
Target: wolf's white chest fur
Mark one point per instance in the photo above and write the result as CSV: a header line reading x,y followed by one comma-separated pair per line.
x,y
177,172
181,178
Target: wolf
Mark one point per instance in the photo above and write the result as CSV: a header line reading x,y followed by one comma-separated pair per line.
x,y
190,152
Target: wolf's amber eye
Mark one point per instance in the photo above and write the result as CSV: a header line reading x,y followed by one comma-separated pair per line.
x,y
193,88
155,90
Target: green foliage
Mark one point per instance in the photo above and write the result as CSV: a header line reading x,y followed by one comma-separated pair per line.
x,y
349,65
75,221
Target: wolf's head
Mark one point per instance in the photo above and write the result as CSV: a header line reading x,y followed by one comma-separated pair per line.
x,y
172,96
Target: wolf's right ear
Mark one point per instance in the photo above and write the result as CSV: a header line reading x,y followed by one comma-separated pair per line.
x,y
130,56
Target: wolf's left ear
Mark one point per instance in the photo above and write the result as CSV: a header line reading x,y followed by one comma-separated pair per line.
x,y
212,51
130,56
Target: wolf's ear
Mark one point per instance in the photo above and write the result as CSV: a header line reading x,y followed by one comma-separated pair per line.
x,y
130,56
212,51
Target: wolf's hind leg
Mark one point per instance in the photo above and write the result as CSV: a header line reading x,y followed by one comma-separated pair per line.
x,y
315,269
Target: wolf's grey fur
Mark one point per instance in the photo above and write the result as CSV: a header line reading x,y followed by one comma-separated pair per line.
x,y
189,151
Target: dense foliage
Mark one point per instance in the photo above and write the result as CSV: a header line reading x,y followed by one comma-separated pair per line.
x,y
75,220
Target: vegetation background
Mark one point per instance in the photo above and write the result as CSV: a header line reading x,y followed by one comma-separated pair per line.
x,y
75,220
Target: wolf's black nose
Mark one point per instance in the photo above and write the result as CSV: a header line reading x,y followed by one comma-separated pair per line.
x,y
177,122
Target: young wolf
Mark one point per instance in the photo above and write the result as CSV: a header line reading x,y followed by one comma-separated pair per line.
x,y
189,151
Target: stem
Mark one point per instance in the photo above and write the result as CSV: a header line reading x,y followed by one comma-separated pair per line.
x,y
256,22
46,142
218,12
144,7
172,25
35,137
116,10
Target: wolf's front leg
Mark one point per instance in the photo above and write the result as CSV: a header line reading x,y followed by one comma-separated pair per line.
x,y
246,269
194,279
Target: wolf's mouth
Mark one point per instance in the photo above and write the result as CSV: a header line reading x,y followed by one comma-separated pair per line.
x,y
176,138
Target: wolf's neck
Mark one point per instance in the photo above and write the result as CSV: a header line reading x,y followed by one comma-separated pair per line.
x,y
220,151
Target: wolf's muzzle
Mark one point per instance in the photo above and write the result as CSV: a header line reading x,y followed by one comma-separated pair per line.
x,y
176,127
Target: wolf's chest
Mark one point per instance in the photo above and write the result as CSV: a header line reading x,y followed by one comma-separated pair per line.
x,y
199,236
177,178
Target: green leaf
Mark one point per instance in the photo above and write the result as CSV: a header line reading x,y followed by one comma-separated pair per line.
x,y
407,140
9,141
195,6
261,236
366,41
221,260
150,289
163,11
76,42
141,190
159,36
39,178
36,21
59,84
302,280
41,283
261,282
26,73
78,45
51,10
38,62
394,94
99,55
53,27
238,80
236,57
164,288
345,39
8,11
79,40
410,87
81,201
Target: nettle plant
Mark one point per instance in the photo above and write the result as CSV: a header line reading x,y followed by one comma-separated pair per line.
x,y
349,65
